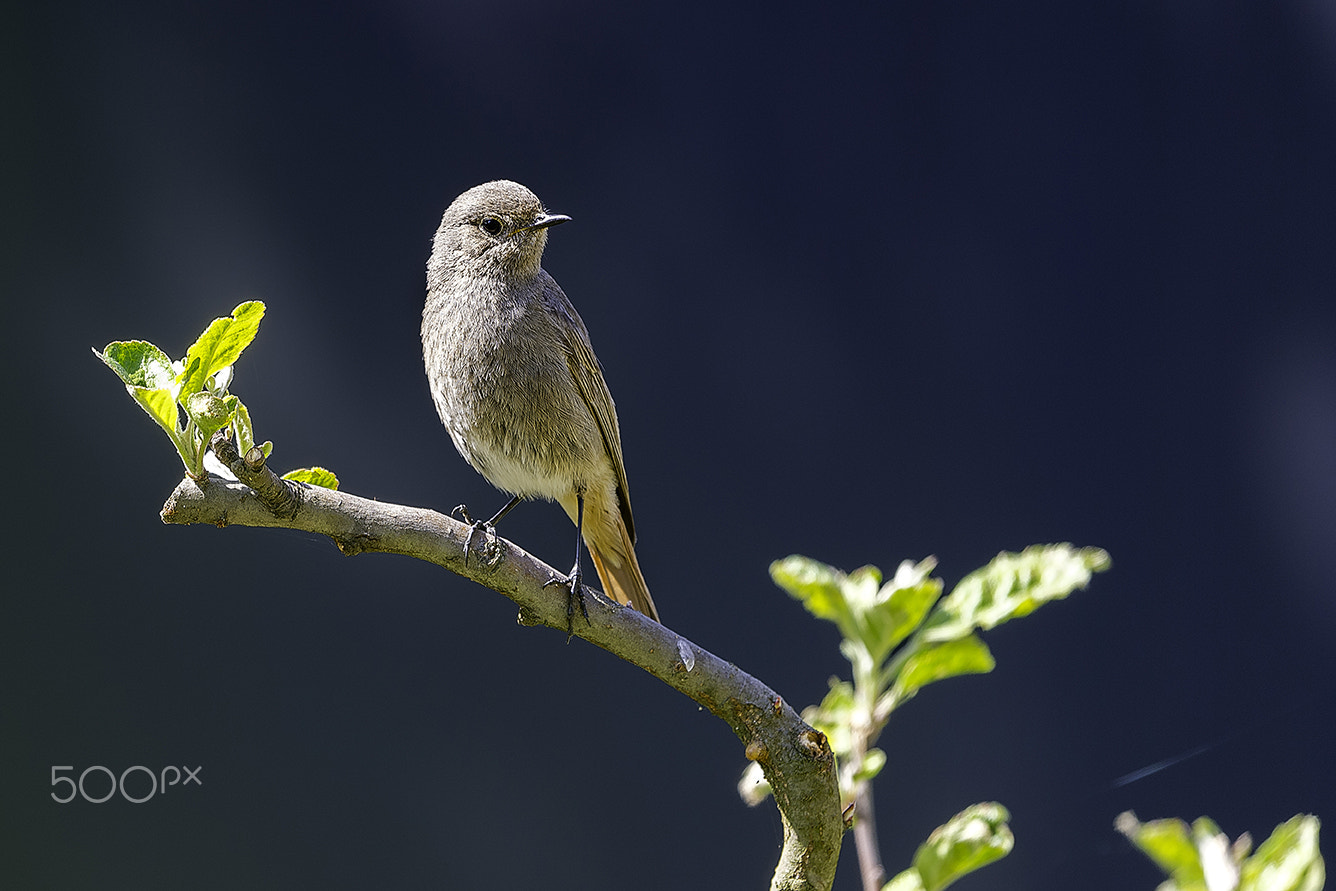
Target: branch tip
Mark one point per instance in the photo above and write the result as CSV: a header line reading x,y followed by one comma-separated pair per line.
x,y
255,458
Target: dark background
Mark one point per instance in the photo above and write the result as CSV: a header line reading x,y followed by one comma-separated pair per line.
x,y
935,279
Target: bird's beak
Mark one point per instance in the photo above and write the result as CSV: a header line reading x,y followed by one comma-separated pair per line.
x,y
545,220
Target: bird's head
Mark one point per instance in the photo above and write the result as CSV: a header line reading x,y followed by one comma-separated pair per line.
x,y
495,229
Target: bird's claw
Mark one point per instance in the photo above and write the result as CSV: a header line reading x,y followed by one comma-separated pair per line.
x,y
488,529
574,585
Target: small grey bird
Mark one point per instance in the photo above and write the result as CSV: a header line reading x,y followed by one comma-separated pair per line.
x,y
516,383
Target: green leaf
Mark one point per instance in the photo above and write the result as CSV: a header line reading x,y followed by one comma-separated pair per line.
x,y
873,618
161,407
149,379
936,662
220,345
138,363
903,602
1013,585
1169,844
819,587
873,762
315,476
1287,861
884,615
973,838
909,880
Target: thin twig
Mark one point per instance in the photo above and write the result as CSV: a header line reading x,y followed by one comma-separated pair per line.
x,y
865,827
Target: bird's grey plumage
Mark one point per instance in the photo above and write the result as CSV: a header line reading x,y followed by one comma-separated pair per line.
x,y
514,376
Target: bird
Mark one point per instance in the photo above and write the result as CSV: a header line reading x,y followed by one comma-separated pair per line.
x,y
515,382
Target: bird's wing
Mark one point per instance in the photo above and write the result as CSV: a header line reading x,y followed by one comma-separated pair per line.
x,y
588,376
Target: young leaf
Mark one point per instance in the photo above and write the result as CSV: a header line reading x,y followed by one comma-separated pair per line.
x,y
161,407
1169,844
975,837
818,586
315,476
1287,861
245,432
1013,585
935,662
138,363
149,379
909,880
221,380
873,762
898,608
220,345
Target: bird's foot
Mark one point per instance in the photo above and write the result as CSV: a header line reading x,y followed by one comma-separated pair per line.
x,y
574,585
489,548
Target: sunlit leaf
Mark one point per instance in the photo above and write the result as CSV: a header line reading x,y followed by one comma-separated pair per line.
x,y
220,345
935,662
895,609
1287,861
138,363
1169,844
241,424
1013,585
971,839
161,407
315,476
905,610
909,880
818,587
149,378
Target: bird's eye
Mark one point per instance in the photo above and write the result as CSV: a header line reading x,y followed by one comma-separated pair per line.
x,y
490,225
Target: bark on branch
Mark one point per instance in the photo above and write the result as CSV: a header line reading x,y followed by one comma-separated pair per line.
x,y
796,759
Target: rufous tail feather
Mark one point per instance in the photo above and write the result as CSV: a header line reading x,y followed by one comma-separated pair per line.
x,y
622,579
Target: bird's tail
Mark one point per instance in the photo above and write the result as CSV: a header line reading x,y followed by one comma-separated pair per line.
x,y
620,574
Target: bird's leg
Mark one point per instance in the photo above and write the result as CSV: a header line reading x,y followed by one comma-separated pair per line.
x,y
574,583
475,525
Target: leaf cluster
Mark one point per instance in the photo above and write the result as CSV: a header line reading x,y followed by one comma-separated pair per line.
x,y
900,635
1201,858
189,399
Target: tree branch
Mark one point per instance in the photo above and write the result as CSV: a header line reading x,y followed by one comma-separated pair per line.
x,y
796,759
